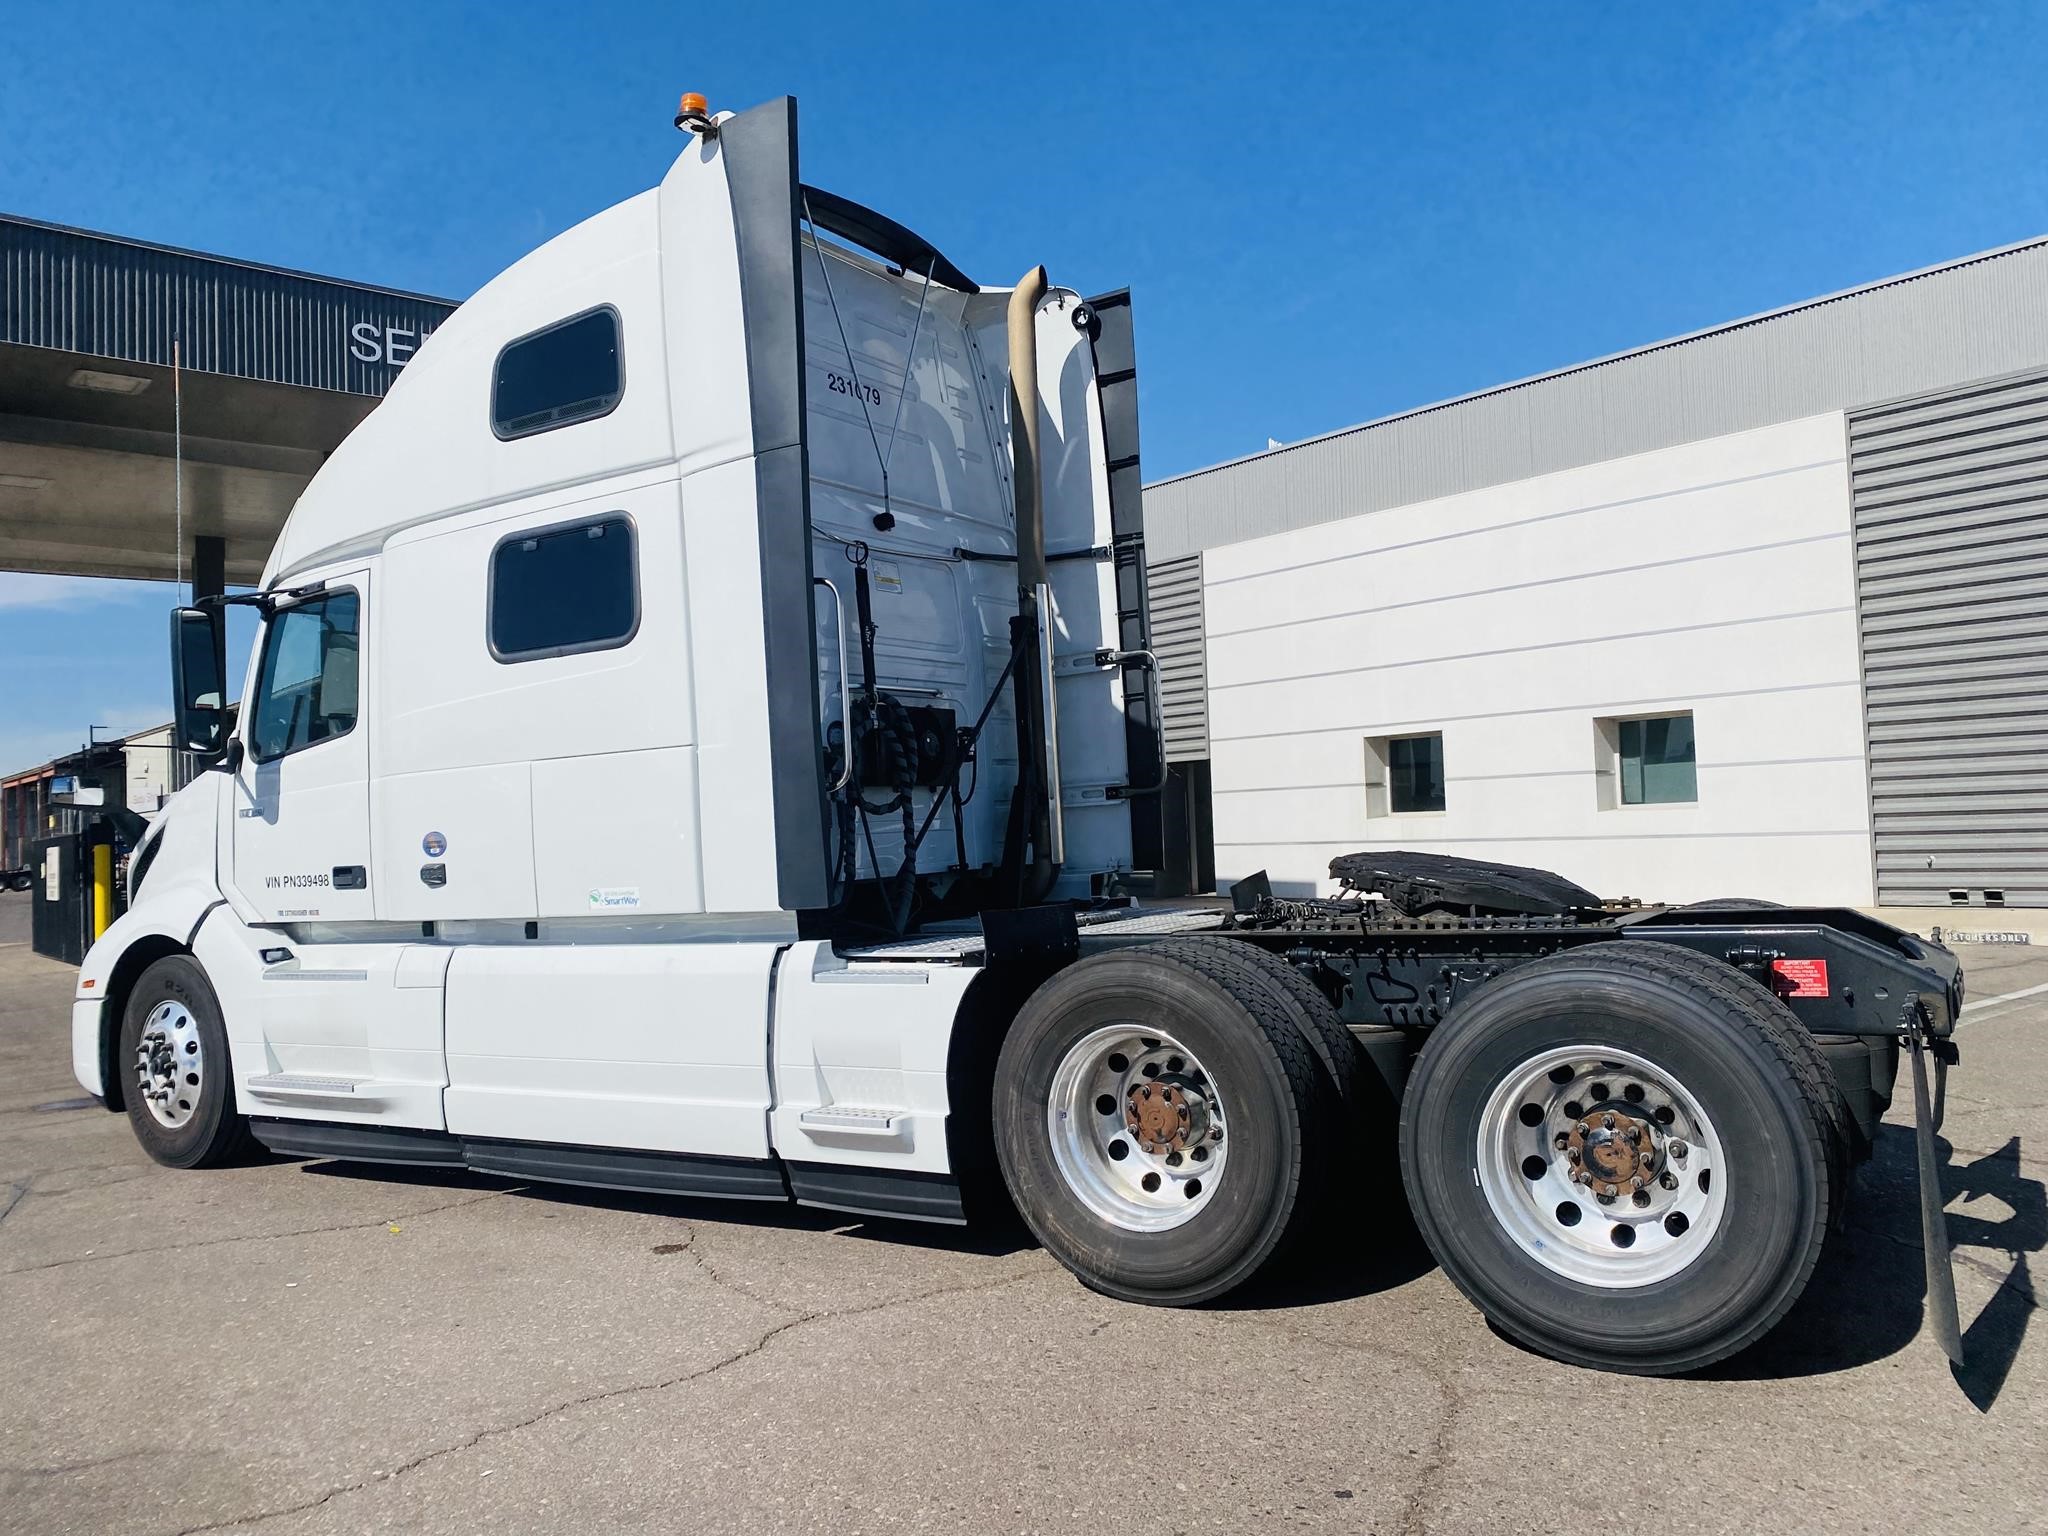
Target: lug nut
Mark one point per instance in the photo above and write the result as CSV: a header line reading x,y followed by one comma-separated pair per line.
x,y
1679,1149
1613,1190
1578,1176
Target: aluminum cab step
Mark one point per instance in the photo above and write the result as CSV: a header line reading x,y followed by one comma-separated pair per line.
x,y
304,1085
849,1118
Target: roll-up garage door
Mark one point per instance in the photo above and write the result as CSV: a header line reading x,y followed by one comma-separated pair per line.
x,y
1951,497
1175,588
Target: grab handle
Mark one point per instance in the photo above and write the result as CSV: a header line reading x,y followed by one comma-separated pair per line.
x,y
845,727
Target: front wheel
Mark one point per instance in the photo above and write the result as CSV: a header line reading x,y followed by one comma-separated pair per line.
x,y
179,1086
1624,1155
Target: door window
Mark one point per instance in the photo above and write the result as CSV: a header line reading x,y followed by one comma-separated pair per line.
x,y
306,692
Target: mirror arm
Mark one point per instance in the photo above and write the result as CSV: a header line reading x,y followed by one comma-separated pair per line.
x,y
230,757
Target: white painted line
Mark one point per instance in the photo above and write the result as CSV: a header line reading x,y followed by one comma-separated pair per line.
x,y
1996,1007
2009,997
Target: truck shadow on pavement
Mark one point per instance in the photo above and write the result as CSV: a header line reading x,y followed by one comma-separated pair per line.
x,y
1867,1299
994,1236
1395,1255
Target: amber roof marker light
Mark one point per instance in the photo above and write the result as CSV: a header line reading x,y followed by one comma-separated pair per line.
x,y
693,115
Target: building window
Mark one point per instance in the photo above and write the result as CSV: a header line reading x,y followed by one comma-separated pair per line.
x,y
1404,774
569,588
306,691
568,373
1415,773
1655,760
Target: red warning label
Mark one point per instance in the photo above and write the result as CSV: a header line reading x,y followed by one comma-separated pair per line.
x,y
1802,978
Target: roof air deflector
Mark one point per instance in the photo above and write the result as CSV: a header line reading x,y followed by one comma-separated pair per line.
x,y
885,237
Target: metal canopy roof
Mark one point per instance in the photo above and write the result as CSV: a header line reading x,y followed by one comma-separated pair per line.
x,y
277,367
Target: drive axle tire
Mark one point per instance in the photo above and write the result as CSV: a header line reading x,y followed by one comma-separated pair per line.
x,y
1160,1113
1626,1155
177,1079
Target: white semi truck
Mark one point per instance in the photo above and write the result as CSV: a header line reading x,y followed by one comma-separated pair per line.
x,y
692,745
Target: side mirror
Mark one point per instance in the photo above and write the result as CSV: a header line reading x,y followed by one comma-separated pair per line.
x,y
198,688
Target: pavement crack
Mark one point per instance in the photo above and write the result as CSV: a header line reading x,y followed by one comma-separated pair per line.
x,y
65,1468
690,1250
11,1198
608,1394
261,1237
1429,1479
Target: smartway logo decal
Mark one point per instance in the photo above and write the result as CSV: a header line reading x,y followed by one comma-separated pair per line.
x,y
611,898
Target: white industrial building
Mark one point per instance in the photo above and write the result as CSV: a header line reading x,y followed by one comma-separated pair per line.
x,y
1758,611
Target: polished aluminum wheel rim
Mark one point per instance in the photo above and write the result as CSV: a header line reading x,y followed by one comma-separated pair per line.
x,y
1137,1128
170,1064
1601,1166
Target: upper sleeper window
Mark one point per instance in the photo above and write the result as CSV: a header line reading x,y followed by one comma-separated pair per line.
x,y
559,590
567,373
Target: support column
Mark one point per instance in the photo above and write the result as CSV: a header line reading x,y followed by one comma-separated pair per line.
x,y
209,579
209,565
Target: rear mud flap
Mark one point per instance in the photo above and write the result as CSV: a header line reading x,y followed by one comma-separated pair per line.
x,y
1941,1283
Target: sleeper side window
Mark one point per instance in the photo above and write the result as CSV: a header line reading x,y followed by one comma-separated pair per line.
x,y
556,591
306,691
568,373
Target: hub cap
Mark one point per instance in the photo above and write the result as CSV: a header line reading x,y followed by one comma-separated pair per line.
x,y
1601,1166
170,1064
1137,1128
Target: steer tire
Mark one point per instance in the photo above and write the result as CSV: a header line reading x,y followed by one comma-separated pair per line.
x,y
1255,1034
1736,1050
215,1135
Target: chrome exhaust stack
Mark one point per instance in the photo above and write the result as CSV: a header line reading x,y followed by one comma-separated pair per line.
x,y
1034,697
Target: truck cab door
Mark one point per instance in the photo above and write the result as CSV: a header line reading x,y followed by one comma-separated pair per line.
x,y
301,792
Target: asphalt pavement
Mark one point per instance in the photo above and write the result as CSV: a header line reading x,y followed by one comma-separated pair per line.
x,y
304,1347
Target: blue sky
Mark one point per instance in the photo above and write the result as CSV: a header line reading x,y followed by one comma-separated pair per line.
x,y
1326,212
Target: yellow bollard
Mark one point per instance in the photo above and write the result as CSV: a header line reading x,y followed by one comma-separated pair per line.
x,y
102,887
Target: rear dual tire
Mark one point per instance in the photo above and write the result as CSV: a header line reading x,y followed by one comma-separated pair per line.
x,y
1235,1071
1715,1097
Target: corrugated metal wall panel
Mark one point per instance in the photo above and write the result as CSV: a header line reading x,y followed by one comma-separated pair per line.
x,y
1975,319
1951,495
75,291
1178,640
